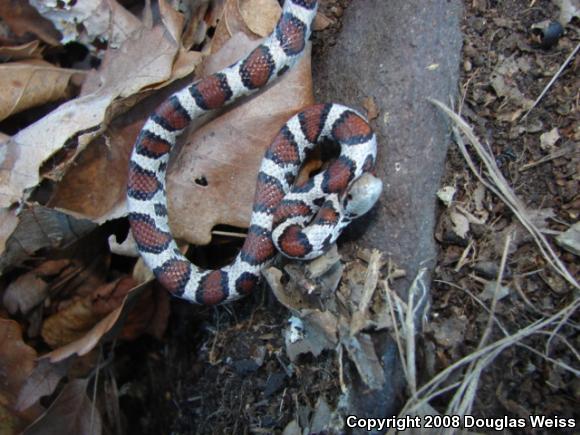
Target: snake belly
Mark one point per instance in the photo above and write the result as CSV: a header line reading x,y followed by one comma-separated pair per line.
x,y
300,221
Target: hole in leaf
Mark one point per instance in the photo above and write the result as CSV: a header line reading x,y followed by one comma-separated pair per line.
x,y
201,181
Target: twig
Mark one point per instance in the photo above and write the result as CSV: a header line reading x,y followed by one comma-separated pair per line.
x,y
464,254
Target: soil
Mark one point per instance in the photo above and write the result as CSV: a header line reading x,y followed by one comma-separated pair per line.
x,y
521,381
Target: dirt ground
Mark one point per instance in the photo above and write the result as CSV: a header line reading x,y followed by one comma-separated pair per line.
x,y
526,379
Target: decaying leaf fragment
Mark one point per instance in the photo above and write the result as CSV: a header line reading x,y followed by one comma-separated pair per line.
x,y
328,317
42,382
226,152
34,229
570,239
23,19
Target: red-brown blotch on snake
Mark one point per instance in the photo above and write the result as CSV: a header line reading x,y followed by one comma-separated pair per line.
x,y
301,222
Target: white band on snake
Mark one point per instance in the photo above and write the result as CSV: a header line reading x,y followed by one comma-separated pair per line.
x,y
299,221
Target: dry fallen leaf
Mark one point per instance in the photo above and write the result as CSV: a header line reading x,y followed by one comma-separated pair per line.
x,y
101,168
42,382
8,223
503,81
16,361
361,351
460,223
31,83
77,318
127,248
446,194
345,311
224,155
69,323
72,412
23,19
38,228
101,171
549,139
321,22
102,20
172,19
109,326
450,332
30,289
145,59
150,315
230,23
24,293
260,16
489,291
570,239
318,334
30,50
371,107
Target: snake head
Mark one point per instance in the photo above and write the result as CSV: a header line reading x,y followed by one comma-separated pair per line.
x,y
362,195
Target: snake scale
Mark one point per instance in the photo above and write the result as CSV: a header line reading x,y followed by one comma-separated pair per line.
x,y
299,221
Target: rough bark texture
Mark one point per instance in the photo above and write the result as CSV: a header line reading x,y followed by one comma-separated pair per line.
x,y
401,52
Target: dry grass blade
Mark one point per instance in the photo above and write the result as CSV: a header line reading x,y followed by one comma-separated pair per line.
x,y
464,397
556,362
395,306
551,82
484,357
418,294
407,314
563,320
496,183
554,155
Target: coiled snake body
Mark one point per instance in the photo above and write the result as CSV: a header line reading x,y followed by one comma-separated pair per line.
x,y
301,222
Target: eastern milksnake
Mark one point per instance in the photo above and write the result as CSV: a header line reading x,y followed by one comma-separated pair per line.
x,y
301,222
